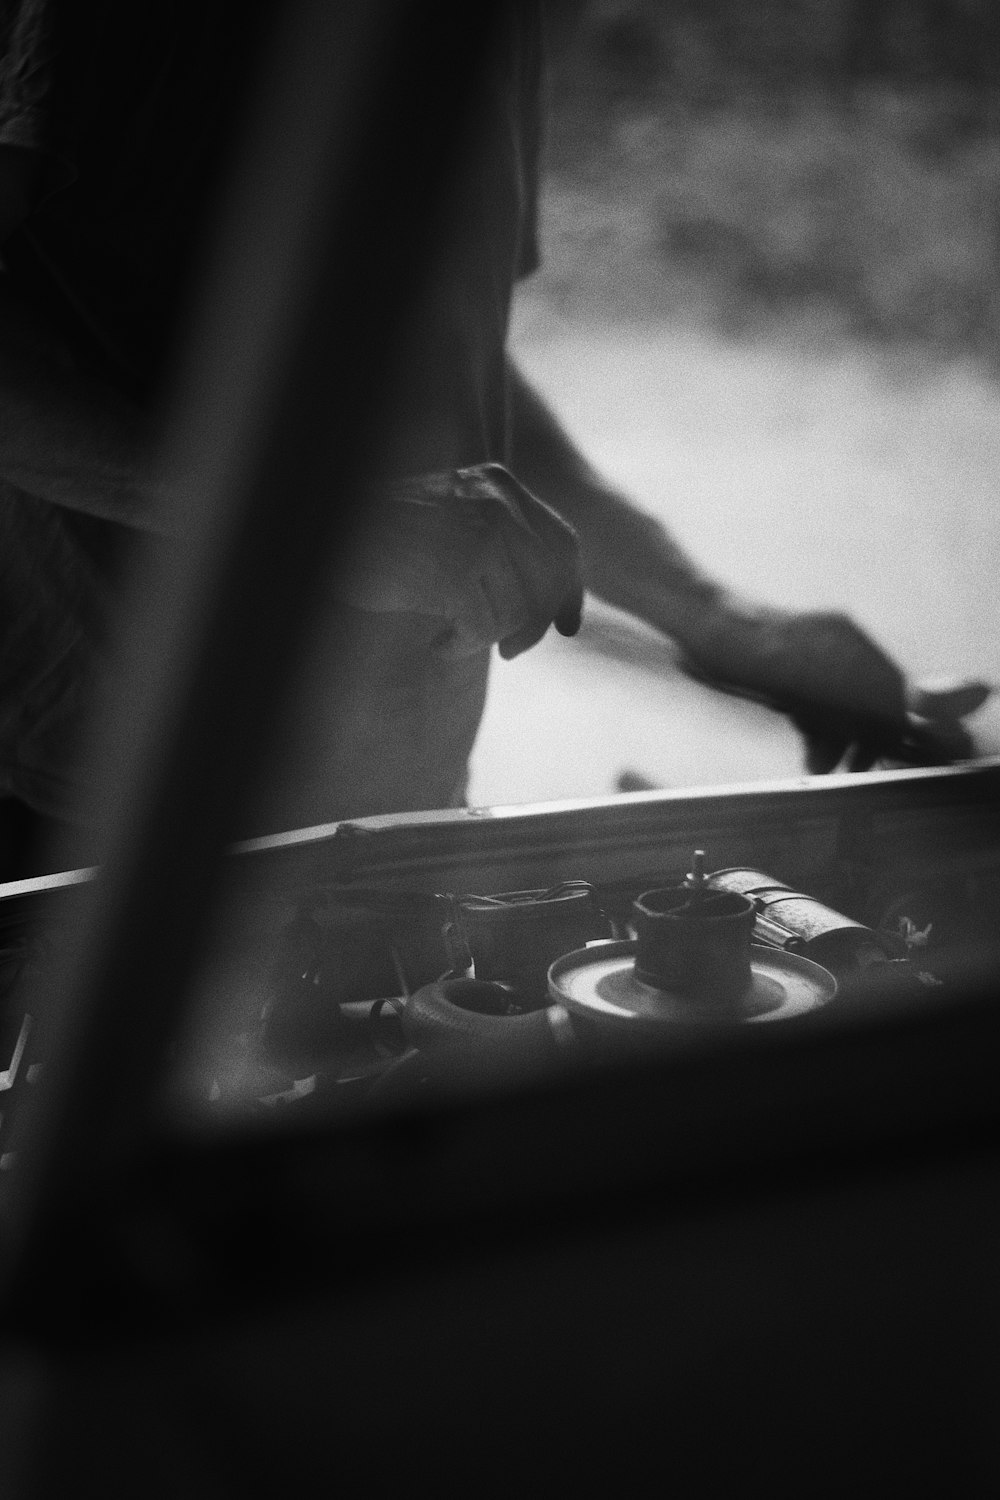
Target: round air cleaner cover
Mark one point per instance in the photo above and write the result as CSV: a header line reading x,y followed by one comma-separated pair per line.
x,y
600,983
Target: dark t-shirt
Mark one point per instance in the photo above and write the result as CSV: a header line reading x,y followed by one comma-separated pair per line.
x,y
129,110
134,109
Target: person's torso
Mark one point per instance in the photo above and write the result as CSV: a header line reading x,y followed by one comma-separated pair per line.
x,y
141,101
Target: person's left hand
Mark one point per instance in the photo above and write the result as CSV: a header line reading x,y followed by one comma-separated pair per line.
x,y
844,694
473,549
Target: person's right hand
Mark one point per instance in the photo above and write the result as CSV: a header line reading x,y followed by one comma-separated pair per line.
x,y
846,696
937,734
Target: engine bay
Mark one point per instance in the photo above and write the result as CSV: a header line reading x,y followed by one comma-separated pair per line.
x,y
393,961
376,997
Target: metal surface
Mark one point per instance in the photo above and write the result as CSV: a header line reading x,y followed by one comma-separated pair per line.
x,y
800,828
898,821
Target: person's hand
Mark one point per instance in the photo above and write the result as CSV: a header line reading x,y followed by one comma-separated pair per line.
x,y
473,548
843,693
937,734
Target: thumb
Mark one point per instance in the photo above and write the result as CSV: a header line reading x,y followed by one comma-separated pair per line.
x,y
570,615
947,700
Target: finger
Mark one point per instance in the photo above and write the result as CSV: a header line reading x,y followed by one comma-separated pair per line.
x,y
936,744
548,587
567,621
570,615
523,640
952,700
824,753
863,755
551,578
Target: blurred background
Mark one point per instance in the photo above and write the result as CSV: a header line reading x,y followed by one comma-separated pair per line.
x,y
770,309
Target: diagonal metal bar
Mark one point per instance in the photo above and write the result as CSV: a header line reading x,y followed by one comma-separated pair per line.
x,y
328,234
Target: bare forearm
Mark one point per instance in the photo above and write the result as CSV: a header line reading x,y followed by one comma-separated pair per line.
x,y
630,559
838,686
66,435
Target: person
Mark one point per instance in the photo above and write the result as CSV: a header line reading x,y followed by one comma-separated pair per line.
x,y
115,126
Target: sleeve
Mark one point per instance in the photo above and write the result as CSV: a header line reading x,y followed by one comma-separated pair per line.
x,y
30,170
24,38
